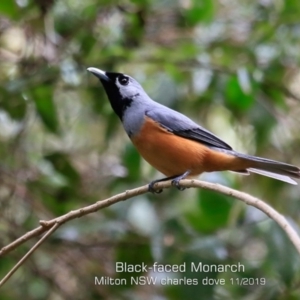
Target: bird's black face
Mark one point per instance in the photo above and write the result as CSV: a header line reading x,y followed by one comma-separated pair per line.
x,y
120,89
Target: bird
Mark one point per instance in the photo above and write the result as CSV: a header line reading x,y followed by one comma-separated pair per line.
x,y
174,144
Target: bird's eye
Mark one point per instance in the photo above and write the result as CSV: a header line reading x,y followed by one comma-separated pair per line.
x,y
124,80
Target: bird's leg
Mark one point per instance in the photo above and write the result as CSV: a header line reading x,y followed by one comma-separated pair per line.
x,y
177,179
152,183
175,182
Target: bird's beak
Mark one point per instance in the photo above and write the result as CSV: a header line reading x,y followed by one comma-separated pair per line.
x,y
99,73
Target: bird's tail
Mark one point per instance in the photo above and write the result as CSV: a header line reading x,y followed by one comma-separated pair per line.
x,y
271,168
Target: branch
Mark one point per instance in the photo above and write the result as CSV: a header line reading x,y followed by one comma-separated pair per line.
x,y
22,260
50,226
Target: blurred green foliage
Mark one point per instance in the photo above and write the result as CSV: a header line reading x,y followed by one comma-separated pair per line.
x,y
232,66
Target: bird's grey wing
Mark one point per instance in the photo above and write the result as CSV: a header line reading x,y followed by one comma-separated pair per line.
x,y
181,125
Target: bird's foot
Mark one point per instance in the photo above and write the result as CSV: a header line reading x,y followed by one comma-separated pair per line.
x,y
175,181
151,188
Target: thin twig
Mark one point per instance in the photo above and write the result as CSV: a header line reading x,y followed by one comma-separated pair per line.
x,y
51,225
22,260
75,214
246,198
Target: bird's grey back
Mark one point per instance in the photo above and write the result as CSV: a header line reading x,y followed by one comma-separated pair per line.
x,y
143,106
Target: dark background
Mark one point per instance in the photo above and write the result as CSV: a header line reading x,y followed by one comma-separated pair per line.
x,y
230,65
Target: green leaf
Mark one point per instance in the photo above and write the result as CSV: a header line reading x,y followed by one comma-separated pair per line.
x,y
263,122
99,101
66,23
173,71
275,94
112,124
291,11
9,9
212,213
235,97
42,96
57,202
201,11
61,163
132,161
6,264
87,42
13,104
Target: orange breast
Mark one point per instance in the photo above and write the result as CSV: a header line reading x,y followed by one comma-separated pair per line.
x,y
174,155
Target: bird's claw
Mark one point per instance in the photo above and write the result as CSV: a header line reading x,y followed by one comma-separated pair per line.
x,y
151,188
176,183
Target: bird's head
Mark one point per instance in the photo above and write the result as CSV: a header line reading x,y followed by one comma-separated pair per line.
x,y
121,89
